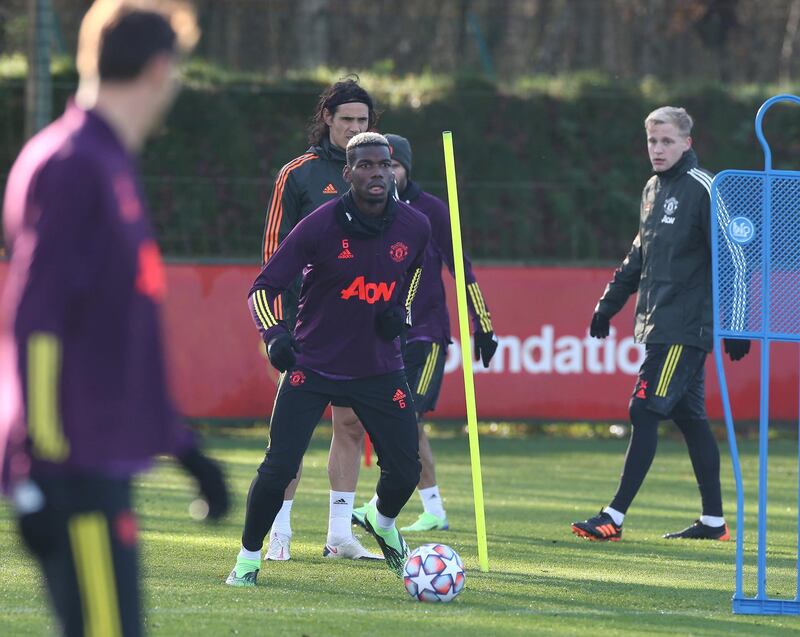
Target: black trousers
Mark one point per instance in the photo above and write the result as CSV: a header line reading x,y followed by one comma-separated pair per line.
x,y
384,406
85,540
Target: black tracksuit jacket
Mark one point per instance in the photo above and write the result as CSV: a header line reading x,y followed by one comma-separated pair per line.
x,y
669,263
302,186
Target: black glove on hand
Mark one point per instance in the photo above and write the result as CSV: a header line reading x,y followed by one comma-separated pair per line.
x,y
281,351
600,326
35,519
210,481
485,347
736,348
390,322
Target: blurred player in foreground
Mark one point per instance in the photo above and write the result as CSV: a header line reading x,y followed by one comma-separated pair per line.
x,y
343,111
83,398
669,265
429,336
361,258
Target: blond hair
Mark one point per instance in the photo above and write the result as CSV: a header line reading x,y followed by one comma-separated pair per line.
x,y
674,115
180,15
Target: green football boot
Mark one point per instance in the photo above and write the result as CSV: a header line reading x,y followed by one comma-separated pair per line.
x,y
427,522
358,515
394,547
244,573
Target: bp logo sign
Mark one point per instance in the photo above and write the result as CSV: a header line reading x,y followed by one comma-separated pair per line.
x,y
741,230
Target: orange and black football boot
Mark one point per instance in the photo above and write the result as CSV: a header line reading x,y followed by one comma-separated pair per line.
x,y
600,528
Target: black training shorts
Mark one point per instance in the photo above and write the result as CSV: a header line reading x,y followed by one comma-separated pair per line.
x,y
672,381
424,362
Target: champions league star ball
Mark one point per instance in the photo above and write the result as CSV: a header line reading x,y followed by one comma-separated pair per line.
x,y
434,573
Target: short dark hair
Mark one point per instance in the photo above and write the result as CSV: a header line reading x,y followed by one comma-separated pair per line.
x,y
130,42
118,38
365,139
345,91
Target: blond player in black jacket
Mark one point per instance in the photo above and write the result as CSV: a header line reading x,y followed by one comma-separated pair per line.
x,y
669,266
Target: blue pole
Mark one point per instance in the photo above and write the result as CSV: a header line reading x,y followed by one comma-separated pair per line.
x,y
763,426
797,583
763,416
724,395
737,467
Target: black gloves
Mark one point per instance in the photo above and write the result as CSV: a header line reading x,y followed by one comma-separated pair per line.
x,y
210,481
390,323
485,347
281,351
35,518
600,326
736,348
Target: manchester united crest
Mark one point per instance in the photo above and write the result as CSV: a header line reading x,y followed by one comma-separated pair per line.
x,y
296,378
398,252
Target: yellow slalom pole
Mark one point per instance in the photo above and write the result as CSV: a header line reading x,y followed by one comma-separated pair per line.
x,y
466,350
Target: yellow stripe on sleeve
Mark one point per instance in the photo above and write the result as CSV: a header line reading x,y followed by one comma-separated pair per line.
x,y
94,566
264,313
480,307
412,291
259,312
44,419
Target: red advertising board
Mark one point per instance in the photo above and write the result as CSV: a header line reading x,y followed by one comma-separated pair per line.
x,y
547,368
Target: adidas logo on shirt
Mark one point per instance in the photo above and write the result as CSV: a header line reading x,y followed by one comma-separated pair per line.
x,y
345,253
330,189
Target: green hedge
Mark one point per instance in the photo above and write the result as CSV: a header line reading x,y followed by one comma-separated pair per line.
x,y
550,169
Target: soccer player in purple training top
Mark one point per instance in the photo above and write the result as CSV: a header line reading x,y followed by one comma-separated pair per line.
x,y
361,258
83,399
343,111
429,336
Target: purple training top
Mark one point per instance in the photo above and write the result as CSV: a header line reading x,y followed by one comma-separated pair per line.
x,y
349,278
431,318
81,364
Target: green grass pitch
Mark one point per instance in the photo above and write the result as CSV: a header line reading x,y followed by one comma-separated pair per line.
x,y
543,580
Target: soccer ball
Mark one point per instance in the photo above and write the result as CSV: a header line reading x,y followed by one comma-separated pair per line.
x,y
434,573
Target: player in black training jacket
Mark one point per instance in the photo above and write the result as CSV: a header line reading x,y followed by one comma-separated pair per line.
x,y
669,265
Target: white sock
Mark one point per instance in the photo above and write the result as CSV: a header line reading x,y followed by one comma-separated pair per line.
x,y
282,523
432,501
250,555
374,500
383,522
615,515
711,520
339,522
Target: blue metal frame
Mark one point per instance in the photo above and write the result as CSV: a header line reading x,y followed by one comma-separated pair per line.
x,y
761,604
